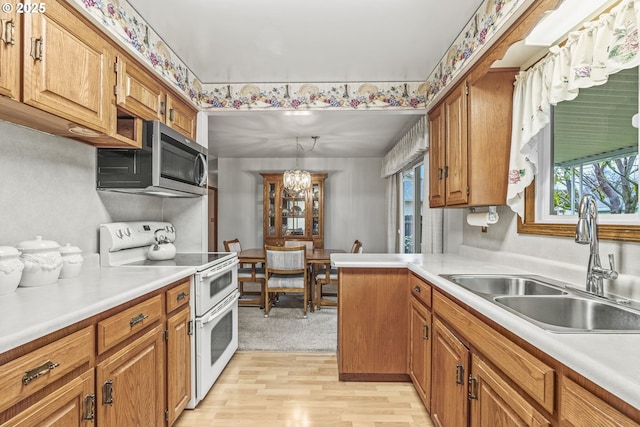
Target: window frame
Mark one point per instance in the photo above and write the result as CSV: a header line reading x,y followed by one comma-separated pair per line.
x,y
418,203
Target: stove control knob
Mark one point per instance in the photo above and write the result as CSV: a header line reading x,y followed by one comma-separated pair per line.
x,y
127,232
119,234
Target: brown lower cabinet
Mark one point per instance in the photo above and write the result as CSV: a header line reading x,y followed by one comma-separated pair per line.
x,y
137,374
467,370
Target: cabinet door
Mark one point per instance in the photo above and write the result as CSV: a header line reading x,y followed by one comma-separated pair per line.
x,y
181,116
10,28
67,68
130,384
494,403
178,363
450,364
420,350
579,407
455,108
138,92
69,406
436,158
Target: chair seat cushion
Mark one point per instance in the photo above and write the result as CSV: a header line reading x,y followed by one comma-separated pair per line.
x,y
286,281
333,274
246,272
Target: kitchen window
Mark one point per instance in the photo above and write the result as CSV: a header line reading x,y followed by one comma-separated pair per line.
x,y
592,148
412,186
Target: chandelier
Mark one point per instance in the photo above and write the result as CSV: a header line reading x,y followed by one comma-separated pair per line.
x,y
296,180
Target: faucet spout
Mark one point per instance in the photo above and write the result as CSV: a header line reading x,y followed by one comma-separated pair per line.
x,y
587,232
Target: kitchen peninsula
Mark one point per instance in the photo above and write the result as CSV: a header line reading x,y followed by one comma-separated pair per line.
x,y
602,365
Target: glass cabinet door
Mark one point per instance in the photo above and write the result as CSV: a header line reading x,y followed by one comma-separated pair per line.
x,y
272,210
293,215
315,206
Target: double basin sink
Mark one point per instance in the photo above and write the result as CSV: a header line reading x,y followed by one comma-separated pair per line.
x,y
551,305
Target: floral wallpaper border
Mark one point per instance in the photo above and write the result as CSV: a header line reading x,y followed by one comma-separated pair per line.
x,y
128,27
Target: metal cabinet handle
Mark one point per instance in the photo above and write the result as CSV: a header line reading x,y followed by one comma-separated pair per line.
x,y
163,107
7,32
88,407
459,374
425,336
181,296
439,173
172,114
417,289
34,373
139,318
107,393
37,45
473,388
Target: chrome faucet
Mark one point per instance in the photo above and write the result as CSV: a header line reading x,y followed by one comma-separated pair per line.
x,y
587,232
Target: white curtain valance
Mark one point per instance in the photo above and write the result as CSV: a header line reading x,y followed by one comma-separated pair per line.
x,y
409,148
603,47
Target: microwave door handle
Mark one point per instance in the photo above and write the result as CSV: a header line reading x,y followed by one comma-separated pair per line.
x,y
203,163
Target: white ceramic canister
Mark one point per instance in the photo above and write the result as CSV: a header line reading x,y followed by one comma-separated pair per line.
x,y
10,269
42,262
71,261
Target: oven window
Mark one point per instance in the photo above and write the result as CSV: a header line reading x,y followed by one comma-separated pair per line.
x,y
221,336
220,283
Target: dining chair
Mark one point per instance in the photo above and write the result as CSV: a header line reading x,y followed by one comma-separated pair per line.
x,y
286,271
248,273
329,276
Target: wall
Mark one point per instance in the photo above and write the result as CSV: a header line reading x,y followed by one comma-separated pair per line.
x,y
354,200
47,188
503,238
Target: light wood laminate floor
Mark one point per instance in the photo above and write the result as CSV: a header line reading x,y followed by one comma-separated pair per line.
x,y
301,390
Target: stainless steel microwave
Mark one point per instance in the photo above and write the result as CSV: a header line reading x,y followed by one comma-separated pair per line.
x,y
168,164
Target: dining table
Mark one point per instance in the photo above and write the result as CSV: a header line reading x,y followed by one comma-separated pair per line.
x,y
316,258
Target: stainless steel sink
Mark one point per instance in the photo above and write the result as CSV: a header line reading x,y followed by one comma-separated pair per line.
x,y
570,313
504,284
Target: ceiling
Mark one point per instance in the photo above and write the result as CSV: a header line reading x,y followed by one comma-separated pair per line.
x,y
314,41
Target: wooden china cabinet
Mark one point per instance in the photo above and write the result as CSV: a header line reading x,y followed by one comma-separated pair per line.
x,y
293,216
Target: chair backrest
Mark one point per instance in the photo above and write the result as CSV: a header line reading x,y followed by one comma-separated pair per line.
x,y
289,259
308,244
357,245
232,245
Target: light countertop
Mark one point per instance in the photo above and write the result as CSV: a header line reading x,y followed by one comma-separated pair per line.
x,y
32,312
609,360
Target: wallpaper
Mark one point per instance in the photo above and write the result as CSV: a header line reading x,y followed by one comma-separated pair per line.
x,y
131,30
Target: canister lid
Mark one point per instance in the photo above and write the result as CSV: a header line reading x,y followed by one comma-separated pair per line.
x,y
69,250
8,251
37,245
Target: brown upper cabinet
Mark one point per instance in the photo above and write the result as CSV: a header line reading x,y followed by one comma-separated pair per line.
x,y
139,96
10,28
470,138
61,75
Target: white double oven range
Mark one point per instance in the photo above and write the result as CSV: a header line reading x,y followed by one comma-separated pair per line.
x,y
214,321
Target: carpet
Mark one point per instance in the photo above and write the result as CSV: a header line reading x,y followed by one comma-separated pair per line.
x,y
286,329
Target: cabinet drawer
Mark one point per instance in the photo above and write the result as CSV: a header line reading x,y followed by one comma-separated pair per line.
x,y
532,375
420,289
32,372
579,407
178,296
127,323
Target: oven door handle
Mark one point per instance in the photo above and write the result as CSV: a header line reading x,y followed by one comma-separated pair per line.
x,y
221,271
221,310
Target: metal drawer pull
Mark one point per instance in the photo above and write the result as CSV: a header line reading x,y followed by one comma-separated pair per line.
x,y
182,295
107,393
36,48
425,336
38,372
139,318
417,289
8,29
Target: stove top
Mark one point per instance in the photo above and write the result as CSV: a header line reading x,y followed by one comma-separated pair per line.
x,y
201,260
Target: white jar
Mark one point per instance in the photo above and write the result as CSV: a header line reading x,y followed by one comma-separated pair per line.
x,y
71,261
10,269
42,262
